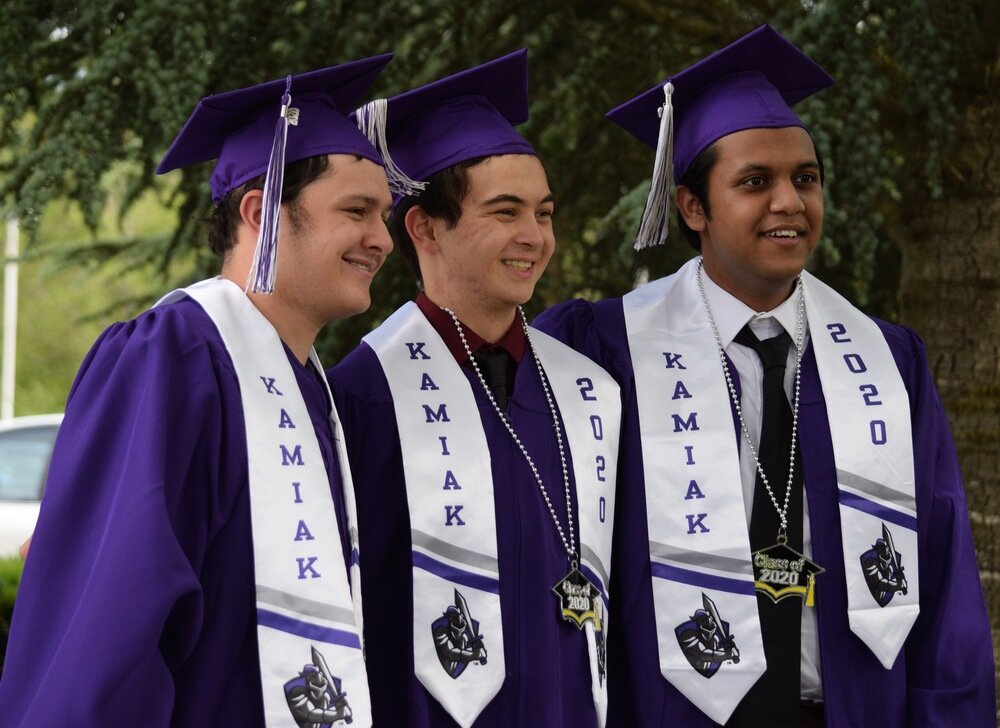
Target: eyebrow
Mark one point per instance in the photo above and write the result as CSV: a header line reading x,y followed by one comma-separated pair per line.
x,y
757,167
515,200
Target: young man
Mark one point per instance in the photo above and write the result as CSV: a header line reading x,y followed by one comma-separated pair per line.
x,y
483,451
197,542
794,547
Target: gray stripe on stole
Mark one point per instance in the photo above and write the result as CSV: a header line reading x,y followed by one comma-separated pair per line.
x,y
877,490
699,559
307,607
454,553
590,556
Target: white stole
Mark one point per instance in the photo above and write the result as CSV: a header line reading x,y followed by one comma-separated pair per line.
x,y
449,485
306,613
699,544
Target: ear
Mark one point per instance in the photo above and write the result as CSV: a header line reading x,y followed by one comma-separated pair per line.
x,y
421,228
251,208
691,209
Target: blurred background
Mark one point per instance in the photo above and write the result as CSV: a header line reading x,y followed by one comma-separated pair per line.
x,y
93,93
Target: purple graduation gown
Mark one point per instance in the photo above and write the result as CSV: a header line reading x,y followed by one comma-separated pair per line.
x,y
548,673
944,674
137,603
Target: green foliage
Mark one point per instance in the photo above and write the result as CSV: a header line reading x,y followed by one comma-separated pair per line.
x,y
10,577
106,85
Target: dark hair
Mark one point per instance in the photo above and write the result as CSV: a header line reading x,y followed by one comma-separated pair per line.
x,y
442,198
696,180
225,214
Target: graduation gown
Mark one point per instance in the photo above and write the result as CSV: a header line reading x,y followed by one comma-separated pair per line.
x,y
944,674
137,605
548,674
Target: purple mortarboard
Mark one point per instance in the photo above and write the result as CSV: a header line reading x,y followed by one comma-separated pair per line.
x,y
463,116
750,84
247,132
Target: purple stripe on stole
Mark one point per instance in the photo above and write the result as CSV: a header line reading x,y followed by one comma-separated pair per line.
x,y
355,558
706,581
878,510
305,629
450,573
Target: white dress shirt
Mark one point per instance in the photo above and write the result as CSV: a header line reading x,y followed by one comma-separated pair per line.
x,y
730,316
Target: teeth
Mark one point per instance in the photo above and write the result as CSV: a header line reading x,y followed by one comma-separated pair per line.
x,y
518,264
783,234
362,266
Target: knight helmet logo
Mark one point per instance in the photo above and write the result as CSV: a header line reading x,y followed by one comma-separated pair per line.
x,y
315,697
706,641
457,639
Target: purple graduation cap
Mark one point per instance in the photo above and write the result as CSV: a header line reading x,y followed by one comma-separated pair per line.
x,y
750,84
463,116
247,132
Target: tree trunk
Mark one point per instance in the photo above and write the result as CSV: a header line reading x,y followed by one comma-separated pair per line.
x,y
950,293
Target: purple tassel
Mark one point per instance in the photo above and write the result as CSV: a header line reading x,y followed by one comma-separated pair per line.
x,y
264,266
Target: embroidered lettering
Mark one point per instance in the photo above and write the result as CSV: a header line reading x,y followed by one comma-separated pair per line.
x,y
597,426
601,509
878,432
451,482
838,332
696,521
673,360
302,533
269,384
693,491
285,420
586,387
691,423
291,458
680,391
452,517
870,392
690,456
440,416
298,495
306,567
855,363
417,349
427,383
602,465
444,445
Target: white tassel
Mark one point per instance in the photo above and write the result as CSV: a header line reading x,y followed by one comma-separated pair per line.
x,y
372,122
656,215
265,267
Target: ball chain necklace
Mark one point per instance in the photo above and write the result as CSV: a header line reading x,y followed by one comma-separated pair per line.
x,y
779,565
576,594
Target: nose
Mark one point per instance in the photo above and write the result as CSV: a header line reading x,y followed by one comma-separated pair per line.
x,y
531,232
786,198
378,238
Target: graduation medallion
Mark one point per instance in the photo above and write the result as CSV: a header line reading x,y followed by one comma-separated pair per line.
x,y
578,599
781,572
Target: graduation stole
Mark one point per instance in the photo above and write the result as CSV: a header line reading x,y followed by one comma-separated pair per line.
x,y
703,587
306,613
457,625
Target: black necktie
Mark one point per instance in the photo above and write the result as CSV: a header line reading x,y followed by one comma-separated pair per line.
x,y
493,363
774,700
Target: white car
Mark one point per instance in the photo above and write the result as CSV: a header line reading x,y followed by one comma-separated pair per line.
x,y
25,450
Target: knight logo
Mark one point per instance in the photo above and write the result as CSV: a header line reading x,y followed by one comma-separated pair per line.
x,y
602,656
882,566
315,697
457,638
706,641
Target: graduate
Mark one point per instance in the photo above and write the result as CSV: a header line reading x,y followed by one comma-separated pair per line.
x,y
483,451
195,560
793,546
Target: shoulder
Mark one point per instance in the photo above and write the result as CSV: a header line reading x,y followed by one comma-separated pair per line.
x,y
907,349
359,376
595,329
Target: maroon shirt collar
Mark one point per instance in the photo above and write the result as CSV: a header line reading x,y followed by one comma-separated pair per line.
x,y
513,341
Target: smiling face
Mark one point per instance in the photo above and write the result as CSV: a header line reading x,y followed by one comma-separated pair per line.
x,y
333,240
491,259
766,203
